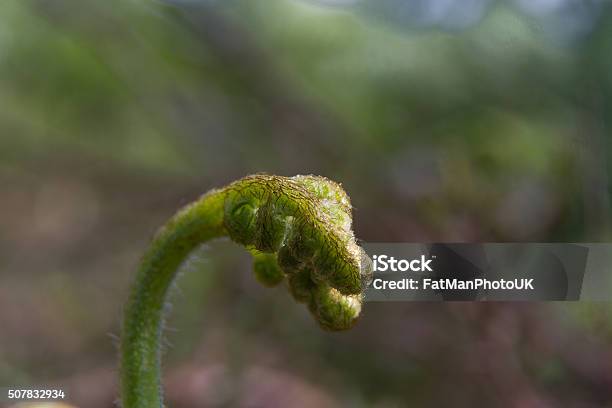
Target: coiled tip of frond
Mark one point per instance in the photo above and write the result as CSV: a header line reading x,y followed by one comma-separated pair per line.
x,y
300,227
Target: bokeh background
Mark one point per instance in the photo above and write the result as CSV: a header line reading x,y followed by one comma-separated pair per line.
x,y
445,120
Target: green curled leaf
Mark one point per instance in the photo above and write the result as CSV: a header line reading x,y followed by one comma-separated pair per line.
x,y
266,269
301,286
305,221
334,311
240,215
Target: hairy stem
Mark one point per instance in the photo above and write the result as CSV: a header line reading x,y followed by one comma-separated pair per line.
x,y
142,326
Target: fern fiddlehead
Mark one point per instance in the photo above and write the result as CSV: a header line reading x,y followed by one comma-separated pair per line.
x,y
298,228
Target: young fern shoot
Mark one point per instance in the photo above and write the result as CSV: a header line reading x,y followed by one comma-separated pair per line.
x,y
297,228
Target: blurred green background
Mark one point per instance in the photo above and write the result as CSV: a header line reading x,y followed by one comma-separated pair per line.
x,y
445,120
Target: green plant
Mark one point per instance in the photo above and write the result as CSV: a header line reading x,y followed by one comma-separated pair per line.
x,y
298,227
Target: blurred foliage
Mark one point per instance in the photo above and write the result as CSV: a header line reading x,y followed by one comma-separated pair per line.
x,y
445,120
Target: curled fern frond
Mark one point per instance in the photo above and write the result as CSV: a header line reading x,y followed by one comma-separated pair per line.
x,y
297,229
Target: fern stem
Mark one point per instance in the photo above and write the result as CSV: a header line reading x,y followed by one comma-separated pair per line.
x,y
143,319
